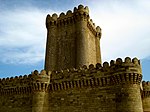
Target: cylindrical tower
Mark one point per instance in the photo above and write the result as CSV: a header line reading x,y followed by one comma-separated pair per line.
x,y
97,43
127,77
146,96
51,45
82,51
87,38
39,88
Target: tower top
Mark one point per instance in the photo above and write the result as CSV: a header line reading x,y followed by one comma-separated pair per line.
x,y
81,9
78,13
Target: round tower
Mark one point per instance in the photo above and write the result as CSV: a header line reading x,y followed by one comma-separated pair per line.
x,y
39,88
87,39
51,44
146,96
127,78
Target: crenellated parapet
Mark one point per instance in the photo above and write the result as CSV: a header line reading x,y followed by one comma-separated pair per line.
x,y
41,77
25,84
15,81
15,85
40,81
96,30
69,17
127,71
79,13
108,74
146,89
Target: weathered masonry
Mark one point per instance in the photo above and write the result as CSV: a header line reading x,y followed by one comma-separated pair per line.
x,y
75,79
72,40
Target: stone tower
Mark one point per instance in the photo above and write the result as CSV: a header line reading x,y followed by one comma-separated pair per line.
x,y
72,40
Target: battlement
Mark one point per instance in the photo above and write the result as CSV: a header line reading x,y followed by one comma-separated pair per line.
x,y
25,84
80,13
115,70
33,77
107,74
146,89
80,10
41,77
106,68
146,86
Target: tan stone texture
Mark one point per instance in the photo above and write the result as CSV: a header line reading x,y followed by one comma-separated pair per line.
x,y
68,84
72,40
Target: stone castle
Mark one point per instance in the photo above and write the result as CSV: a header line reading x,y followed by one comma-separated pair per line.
x,y
74,79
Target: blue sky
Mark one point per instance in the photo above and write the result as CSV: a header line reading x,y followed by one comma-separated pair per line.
x,y
125,31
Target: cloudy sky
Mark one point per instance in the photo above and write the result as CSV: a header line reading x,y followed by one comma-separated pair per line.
x,y
125,31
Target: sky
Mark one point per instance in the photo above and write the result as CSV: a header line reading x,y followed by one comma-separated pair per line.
x,y
125,31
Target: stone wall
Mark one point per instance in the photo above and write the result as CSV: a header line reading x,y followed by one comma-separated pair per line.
x,y
86,99
113,87
118,84
146,96
16,103
95,88
24,93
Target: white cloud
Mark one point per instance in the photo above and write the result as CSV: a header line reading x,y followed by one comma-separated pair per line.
x,y
22,28
125,28
125,31
23,34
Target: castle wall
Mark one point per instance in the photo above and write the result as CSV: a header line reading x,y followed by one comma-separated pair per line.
x,y
113,87
146,104
16,103
15,95
146,96
86,99
24,93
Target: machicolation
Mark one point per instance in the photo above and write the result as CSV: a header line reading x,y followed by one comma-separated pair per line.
x,y
74,78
